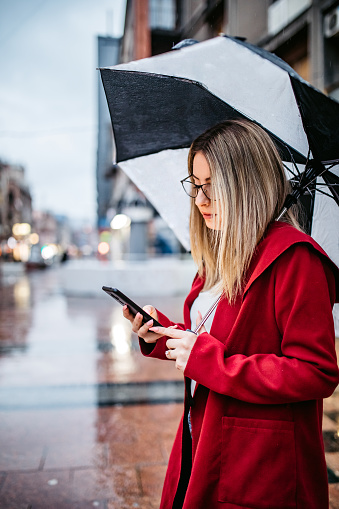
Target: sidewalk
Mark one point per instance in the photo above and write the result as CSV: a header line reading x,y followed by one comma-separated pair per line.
x,y
73,434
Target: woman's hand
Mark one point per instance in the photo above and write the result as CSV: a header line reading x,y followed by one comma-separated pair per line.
x,y
180,343
139,328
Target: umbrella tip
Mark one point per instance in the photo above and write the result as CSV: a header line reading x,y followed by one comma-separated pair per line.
x,y
184,43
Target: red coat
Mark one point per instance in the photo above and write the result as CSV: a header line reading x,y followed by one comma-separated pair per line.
x,y
261,374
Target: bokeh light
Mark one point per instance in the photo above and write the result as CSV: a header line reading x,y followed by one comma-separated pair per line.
x,y
103,248
120,221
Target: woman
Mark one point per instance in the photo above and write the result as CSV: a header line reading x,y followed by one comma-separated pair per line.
x,y
250,436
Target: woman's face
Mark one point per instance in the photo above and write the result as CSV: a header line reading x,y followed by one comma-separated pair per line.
x,y
201,175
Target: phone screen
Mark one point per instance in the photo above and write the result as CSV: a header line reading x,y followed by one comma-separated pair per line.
x,y
132,306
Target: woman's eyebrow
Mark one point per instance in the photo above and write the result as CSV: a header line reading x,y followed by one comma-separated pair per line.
x,y
192,175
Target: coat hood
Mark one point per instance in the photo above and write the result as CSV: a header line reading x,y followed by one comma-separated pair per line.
x,y
279,237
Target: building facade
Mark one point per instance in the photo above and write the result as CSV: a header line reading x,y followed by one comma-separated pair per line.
x,y
15,199
304,33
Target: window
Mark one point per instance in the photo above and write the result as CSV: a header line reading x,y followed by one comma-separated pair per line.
x,y
162,14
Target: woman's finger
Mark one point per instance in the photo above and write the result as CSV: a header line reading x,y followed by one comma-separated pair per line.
x,y
151,311
171,332
127,314
172,343
143,330
171,355
137,323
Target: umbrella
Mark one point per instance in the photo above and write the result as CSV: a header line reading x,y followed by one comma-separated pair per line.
x,y
159,105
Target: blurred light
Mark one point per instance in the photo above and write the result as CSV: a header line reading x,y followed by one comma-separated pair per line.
x,y
47,252
119,339
72,250
105,236
21,252
22,293
16,253
11,242
21,229
86,250
120,221
34,238
103,248
54,248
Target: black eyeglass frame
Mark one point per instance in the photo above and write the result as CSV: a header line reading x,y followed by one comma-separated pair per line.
x,y
196,186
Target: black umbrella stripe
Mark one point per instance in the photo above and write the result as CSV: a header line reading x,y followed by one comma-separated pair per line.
x,y
320,117
151,113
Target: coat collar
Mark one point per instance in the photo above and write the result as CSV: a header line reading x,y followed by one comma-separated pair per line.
x,y
278,238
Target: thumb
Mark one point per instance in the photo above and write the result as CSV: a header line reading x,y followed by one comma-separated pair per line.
x,y
151,311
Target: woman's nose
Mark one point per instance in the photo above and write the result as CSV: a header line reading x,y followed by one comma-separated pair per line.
x,y
201,198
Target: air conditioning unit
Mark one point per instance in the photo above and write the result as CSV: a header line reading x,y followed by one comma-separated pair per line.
x,y
331,23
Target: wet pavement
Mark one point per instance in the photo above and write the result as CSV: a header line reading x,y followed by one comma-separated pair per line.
x,y
85,420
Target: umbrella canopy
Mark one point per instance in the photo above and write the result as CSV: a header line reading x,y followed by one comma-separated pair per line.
x,y
159,105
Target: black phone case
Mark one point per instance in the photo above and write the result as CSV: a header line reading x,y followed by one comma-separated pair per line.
x,y
132,306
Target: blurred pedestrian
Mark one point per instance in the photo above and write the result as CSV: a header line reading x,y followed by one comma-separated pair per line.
x,y
257,373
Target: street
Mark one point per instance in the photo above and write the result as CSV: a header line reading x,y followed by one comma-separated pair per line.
x,y
85,420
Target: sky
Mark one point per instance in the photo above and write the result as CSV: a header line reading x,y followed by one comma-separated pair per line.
x,y
48,97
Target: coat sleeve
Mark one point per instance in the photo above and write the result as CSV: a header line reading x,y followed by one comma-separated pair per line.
x,y
159,348
306,367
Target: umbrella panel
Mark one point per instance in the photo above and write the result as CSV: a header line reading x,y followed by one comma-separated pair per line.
x,y
320,117
177,111
332,182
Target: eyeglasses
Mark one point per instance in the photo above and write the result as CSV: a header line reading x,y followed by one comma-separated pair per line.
x,y
193,189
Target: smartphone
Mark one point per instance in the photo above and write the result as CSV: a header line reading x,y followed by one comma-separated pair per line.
x,y
132,306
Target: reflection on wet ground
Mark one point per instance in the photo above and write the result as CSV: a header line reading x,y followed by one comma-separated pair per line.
x,y
85,420
108,394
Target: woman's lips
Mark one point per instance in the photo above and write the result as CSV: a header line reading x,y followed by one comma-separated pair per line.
x,y
208,216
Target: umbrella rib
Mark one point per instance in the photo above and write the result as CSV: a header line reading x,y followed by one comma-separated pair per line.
x,y
333,162
316,176
290,170
325,194
279,140
326,185
303,184
207,315
294,163
332,166
308,155
310,191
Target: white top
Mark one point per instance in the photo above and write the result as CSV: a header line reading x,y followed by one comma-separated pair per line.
x,y
203,303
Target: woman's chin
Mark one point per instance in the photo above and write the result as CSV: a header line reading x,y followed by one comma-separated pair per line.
x,y
212,224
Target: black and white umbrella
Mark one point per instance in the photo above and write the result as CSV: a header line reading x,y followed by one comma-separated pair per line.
x,y
159,105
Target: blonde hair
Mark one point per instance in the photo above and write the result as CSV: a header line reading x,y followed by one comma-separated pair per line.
x,y
249,188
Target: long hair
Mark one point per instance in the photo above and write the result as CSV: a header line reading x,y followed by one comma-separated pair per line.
x,y
249,187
